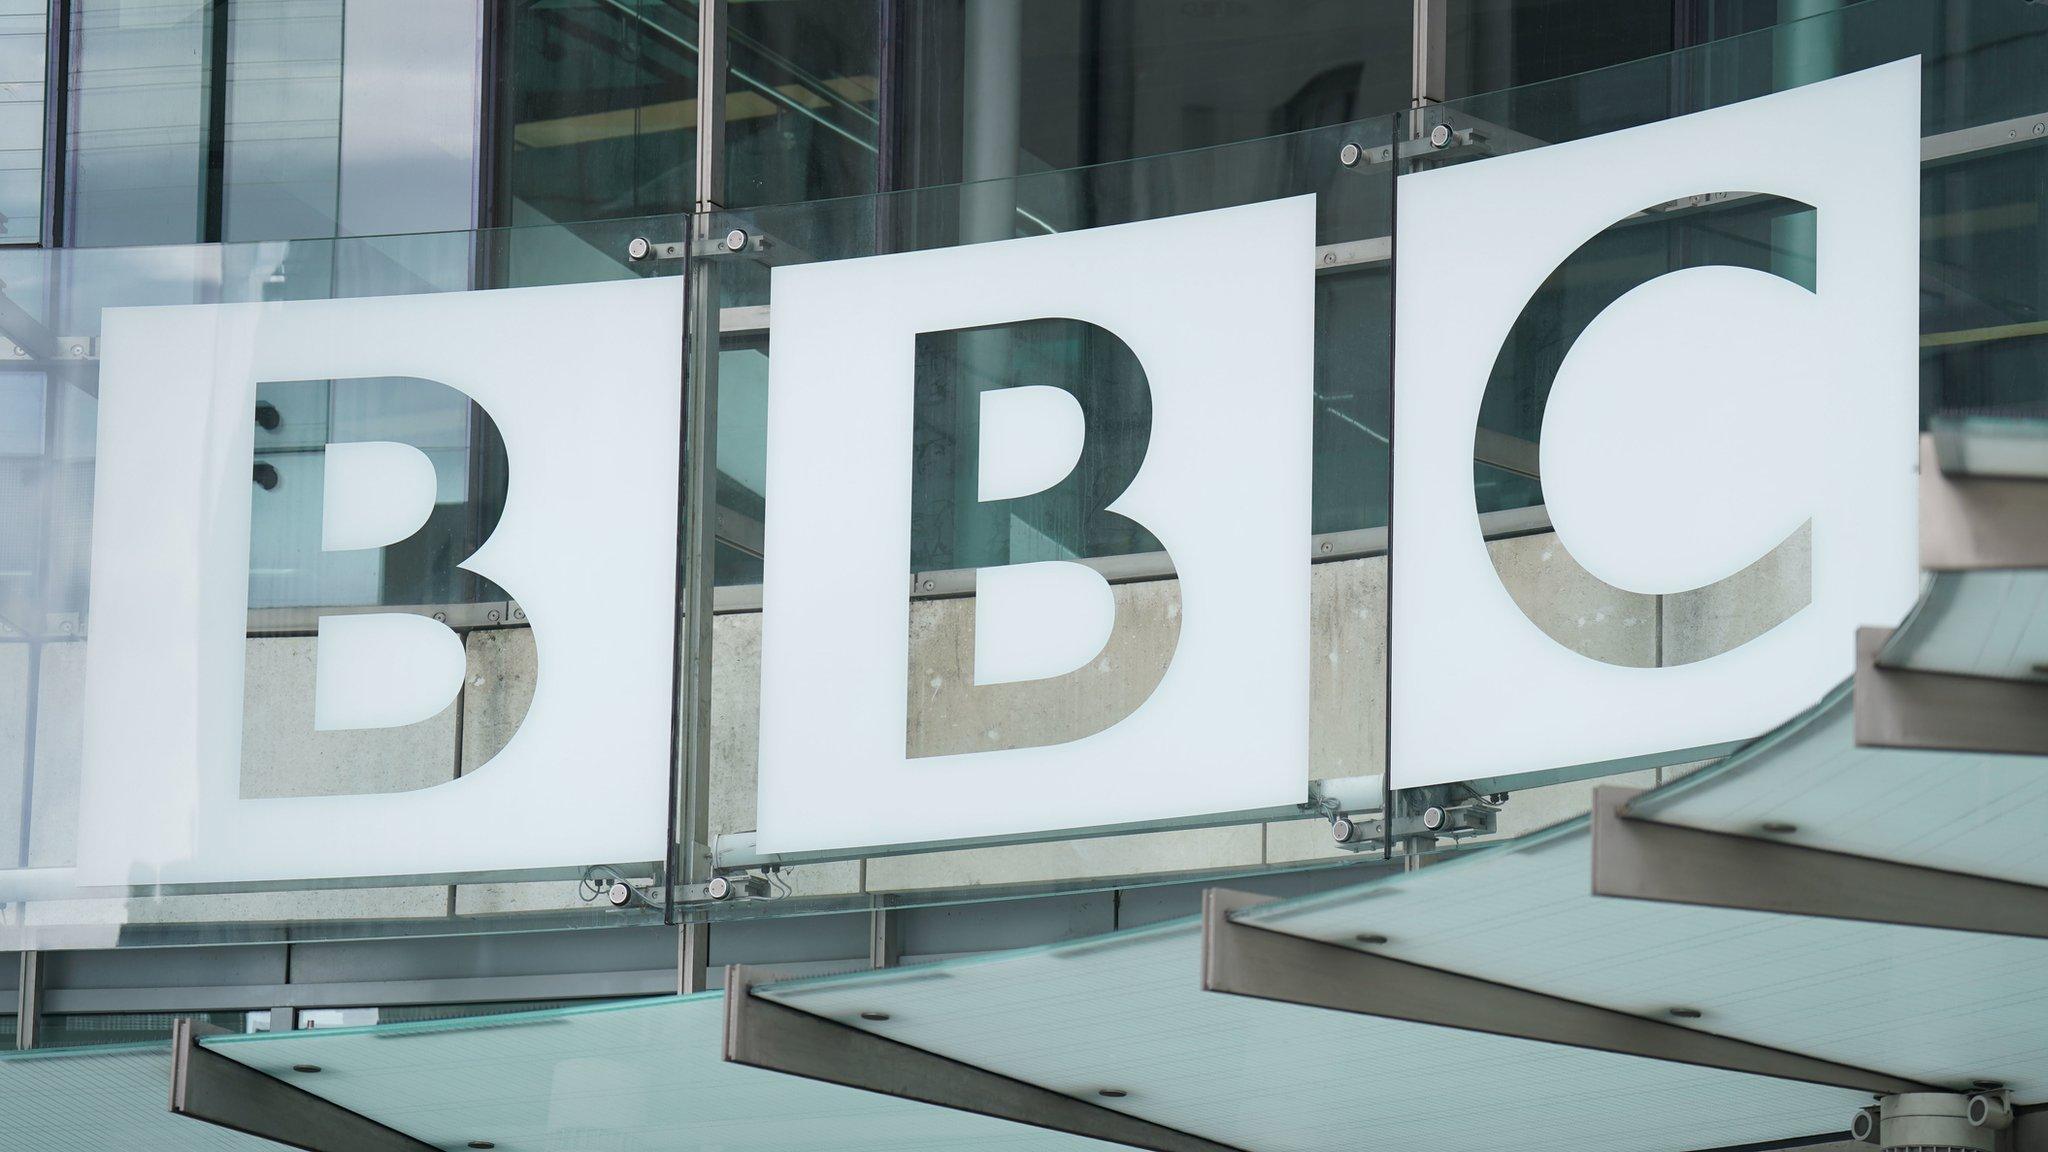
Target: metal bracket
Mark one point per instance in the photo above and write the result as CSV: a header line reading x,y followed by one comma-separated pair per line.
x,y
229,1094
763,1034
1972,522
735,242
1641,859
1944,711
1246,960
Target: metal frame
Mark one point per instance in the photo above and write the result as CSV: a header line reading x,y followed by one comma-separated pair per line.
x,y
1637,858
690,839
229,1094
763,1034
1246,960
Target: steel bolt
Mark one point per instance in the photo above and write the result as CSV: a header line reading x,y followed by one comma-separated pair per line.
x,y
928,585
1350,155
2041,129
735,240
1440,136
518,613
637,248
1326,546
492,615
441,616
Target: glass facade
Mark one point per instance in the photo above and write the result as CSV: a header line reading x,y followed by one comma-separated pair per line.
x,y
258,151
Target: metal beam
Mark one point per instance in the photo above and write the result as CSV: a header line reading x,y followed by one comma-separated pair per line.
x,y
690,837
763,1034
1246,960
1969,523
28,1007
1641,859
1944,711
229,1094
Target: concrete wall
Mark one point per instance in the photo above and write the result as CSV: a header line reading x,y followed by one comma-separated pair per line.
x,y
284,757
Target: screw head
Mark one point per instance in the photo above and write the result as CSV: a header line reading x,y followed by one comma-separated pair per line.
x,y
1326,546
1111,1093
735,240
877,1017
637,248
929,585
1349,155
492,615
308,1068
518,613
1440,136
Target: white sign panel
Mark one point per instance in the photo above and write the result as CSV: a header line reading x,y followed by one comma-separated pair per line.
x,y
1701,420
1218,308
582,383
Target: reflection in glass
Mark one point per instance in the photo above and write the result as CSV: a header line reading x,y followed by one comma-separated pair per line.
x,y
23,41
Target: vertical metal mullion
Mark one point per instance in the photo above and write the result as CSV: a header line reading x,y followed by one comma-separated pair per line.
x,y
56,118
213,142
1428,58
700,492
29,1002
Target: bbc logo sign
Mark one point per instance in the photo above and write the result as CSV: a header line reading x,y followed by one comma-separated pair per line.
x,y
1701,420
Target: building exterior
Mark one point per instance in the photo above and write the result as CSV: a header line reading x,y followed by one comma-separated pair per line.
x,y
1503,532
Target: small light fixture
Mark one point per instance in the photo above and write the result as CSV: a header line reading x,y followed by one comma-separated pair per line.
x,y
1685,1013
305,1067
1111,1093
1370,938
1779,827
877,1017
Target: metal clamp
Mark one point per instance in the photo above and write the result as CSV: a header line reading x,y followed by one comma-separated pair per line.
x,y
732,243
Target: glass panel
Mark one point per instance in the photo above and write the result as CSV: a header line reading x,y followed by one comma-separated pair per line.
x,y
803,100
1126,1014
122,1090
24,39
954,379
269,119
136,148
1983,288
639,1074
600,99
986,90
1495,44
70,318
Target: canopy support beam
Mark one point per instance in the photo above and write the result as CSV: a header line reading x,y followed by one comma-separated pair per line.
x,y
1244,959
763,1034
1970,523
1943,711
229,1094
1642,859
